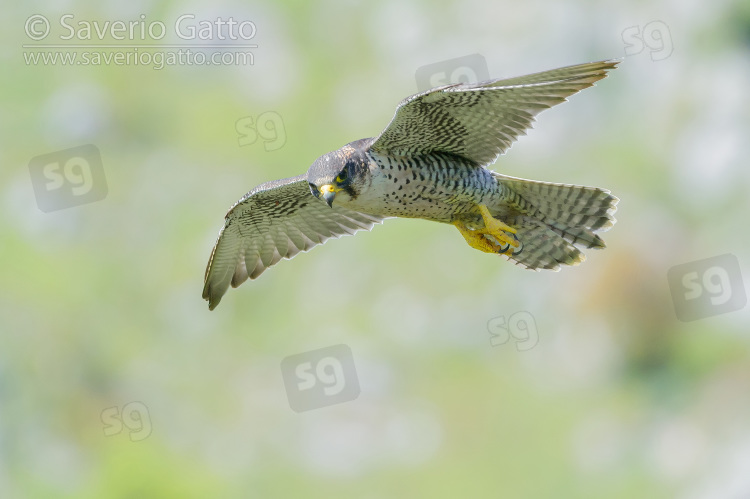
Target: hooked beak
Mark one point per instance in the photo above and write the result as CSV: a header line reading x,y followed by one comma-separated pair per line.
x,y
328,192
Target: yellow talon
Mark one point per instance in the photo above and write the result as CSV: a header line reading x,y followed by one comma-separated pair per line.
x,y
492,224
492,227
496,228
476,240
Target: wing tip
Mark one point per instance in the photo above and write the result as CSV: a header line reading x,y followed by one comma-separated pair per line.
x,y
211,296
215,285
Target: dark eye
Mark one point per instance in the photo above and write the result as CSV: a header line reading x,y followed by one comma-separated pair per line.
x,y
342,176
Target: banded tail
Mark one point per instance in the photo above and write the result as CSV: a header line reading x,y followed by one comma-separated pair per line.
x,y
555,218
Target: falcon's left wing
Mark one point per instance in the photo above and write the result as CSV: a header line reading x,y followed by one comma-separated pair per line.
x,y
273,221
480,121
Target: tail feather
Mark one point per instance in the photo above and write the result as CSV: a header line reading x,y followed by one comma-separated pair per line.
x,y
554,218
542,248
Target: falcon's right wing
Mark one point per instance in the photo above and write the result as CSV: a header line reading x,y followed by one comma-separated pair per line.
x,y
480,121
275,220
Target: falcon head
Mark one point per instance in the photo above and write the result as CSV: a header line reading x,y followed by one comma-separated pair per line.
x,y
340,174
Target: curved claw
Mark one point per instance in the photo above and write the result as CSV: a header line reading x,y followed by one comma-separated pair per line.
x,y
494,237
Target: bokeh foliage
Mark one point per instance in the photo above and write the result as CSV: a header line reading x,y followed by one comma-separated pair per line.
x,y
100,304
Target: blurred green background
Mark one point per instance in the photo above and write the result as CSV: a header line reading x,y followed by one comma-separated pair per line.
x,y
100,303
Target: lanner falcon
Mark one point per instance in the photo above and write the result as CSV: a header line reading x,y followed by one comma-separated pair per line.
x,y
430,163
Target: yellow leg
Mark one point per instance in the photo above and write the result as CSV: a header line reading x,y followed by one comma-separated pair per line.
x,y
496,228
476,240
492,227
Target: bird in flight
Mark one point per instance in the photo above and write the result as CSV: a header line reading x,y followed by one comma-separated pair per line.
x,y
430,163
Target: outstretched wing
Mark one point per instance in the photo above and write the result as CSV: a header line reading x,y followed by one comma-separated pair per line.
x,y
273,221
480,121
